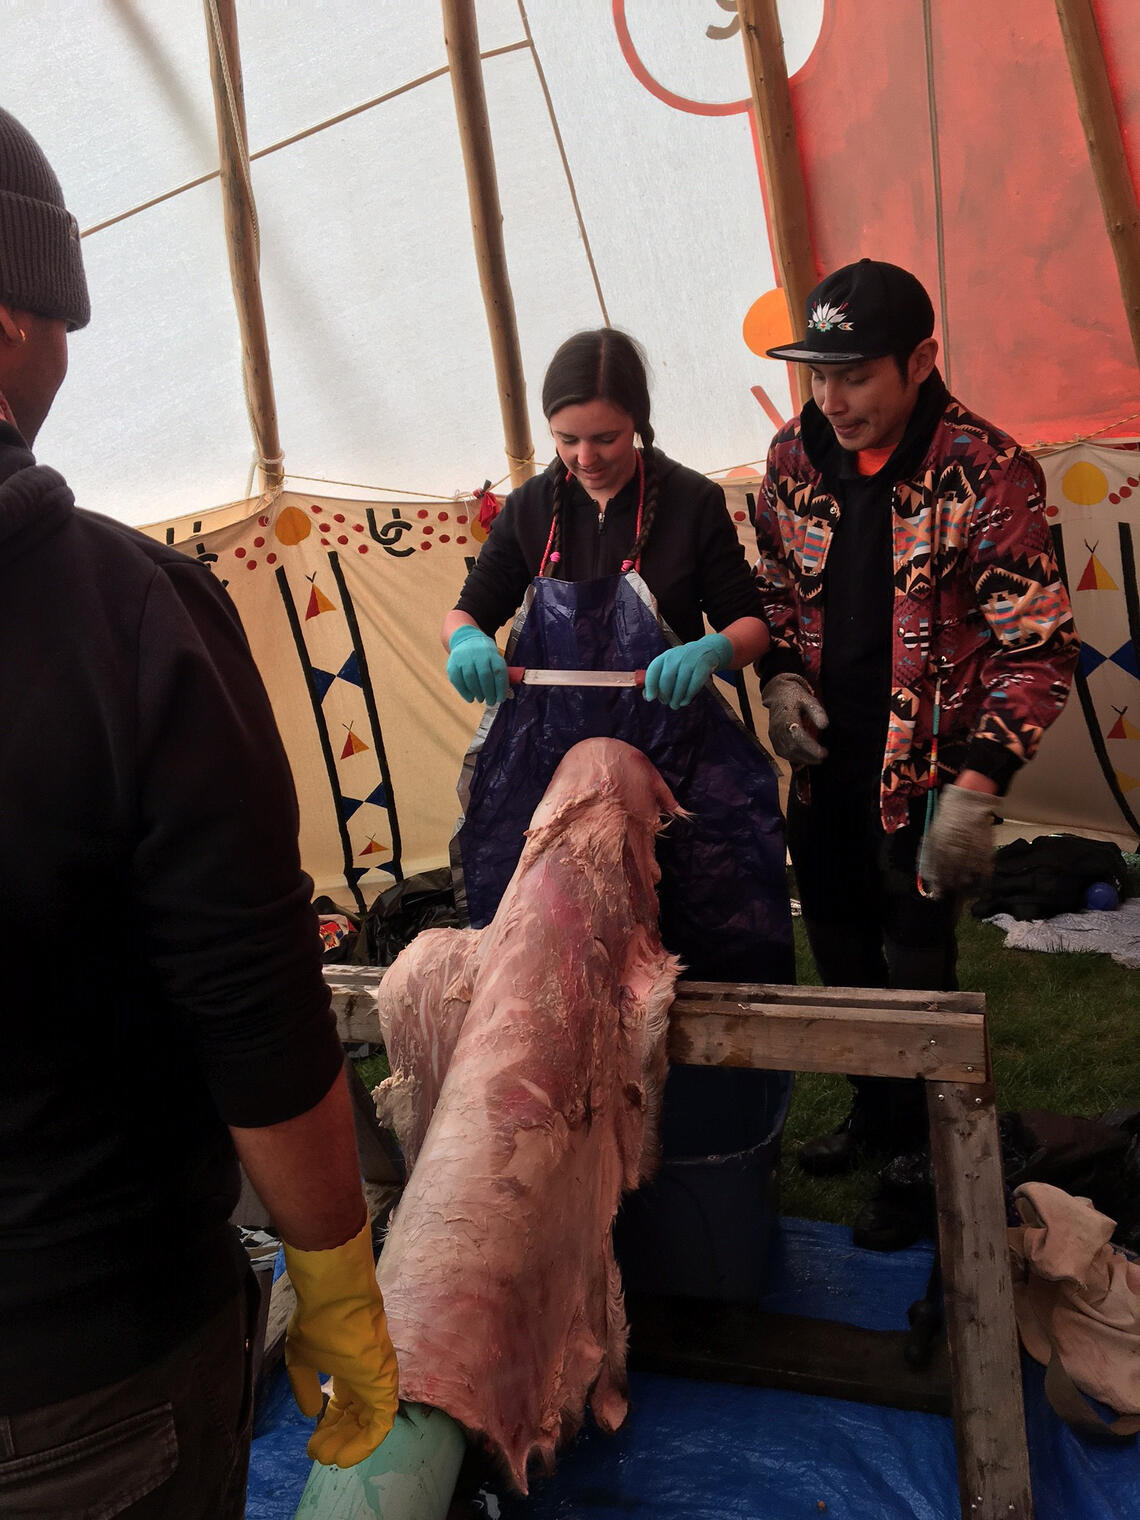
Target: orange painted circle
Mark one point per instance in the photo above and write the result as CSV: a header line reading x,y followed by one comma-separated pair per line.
x,y
292,526
767,323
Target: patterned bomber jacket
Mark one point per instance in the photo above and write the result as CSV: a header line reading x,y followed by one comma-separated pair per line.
x,y
980,610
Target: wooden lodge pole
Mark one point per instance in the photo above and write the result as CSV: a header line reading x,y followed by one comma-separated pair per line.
x,y
1106,150
779,151
242,236
461,35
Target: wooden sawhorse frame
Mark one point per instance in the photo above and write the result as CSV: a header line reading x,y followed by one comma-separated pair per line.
x,y
941,1037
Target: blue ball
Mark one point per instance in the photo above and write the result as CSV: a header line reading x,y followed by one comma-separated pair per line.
x,y
1102,895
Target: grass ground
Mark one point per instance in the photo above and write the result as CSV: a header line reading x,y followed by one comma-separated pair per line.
x,y
1064,1034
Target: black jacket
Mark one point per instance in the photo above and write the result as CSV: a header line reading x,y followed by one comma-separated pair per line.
x,y
693,561
159,955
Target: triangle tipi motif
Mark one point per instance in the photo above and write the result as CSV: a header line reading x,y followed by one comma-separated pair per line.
x,y
318,603
353,746
1122,729
1096,577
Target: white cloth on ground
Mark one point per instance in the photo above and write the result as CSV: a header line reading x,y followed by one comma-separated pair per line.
x,y
1114,932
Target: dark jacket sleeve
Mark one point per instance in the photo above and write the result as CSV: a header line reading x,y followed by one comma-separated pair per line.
x,y
725,584
498,580
222,901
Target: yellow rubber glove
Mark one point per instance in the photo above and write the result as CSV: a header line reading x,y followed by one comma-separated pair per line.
x,y
338,1328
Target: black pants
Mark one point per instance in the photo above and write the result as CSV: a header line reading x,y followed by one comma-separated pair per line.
x,y
867,923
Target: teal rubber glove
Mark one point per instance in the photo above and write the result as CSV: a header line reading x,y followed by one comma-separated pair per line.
x,y
676,676
475,667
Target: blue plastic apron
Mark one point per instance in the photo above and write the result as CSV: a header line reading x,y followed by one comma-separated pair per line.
x,y
703,1226
723,891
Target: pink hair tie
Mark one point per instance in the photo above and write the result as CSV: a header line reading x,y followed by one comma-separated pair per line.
x,y
626,566
555,557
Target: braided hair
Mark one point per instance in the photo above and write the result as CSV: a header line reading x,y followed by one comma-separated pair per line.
x,y
601,364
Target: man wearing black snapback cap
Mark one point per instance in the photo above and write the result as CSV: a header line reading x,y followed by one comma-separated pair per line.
x,y
922,640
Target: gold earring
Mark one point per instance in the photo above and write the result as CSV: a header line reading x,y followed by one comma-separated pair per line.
x,y
23,335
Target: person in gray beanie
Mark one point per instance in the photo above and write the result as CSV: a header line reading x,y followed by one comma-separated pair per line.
x,y
41,266
162,1005
43,289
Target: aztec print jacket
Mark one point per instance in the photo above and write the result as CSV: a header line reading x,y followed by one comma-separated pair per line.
x,y
980,610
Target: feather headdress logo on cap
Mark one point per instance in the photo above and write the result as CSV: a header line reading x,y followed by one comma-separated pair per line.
x,y
827,318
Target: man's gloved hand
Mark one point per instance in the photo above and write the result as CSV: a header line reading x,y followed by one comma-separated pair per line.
x,y
339,1328
958,850
676,676
475,667
795,717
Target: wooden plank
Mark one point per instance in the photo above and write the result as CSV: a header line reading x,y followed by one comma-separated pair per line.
x,y
861,1041
354,978
863,1030
366,979
985,1366
356,1019
789,995
736,1343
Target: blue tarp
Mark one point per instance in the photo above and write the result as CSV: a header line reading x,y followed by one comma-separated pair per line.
x,y
709,1451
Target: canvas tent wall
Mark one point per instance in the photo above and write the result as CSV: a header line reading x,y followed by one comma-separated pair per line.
x,y
942,135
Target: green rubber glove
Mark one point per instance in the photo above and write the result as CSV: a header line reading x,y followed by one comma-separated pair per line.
x,y
676,676
338,1328
475,667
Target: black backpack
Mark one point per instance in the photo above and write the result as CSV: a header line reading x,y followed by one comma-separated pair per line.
x,y
1038,878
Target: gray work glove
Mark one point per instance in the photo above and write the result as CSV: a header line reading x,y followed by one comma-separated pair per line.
x,y
795,717
958,850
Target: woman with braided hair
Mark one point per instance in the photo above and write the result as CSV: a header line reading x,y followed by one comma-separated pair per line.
x,y
605,507
612,559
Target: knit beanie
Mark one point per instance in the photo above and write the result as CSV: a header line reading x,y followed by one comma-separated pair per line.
x,y
41,266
